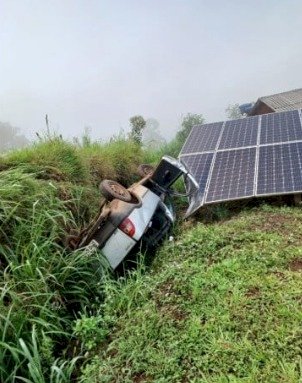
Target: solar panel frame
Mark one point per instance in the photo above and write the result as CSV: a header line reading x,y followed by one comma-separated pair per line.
x,y
205,161
261,145
281,169
257,155
213,162
233,131
196,136
256,148
233,185
197,200
277,127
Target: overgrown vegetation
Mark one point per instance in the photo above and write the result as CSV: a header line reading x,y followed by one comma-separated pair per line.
x,y
46,190
221,303
138,124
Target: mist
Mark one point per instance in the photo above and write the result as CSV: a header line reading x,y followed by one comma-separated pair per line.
x,y
97,63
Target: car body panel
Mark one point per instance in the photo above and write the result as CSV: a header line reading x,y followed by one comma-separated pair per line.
x,y
142,216
117,247
119,244
150,211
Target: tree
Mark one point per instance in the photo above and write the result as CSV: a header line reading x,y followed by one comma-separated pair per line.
x,y
233,112
188,121
11,137
152,137
138,124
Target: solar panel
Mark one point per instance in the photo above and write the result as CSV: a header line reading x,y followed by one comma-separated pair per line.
x,y
280,127
239,133
253,156
203,138
232,175
280,169
199,166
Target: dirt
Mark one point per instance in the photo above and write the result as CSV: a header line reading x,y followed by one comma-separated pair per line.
x,y
167,288
278,223
3,167
188,223
140,378
51,173
112,353
253,292
166,306
173,312
295,264
64,193
279,275
282,224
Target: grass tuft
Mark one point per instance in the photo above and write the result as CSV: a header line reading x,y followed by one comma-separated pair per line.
x,y
46,190
222,303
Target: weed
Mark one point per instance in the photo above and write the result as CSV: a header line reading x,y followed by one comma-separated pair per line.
x,y
90,330
220,304
45,190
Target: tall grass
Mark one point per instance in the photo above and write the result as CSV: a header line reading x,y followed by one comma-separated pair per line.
x,y
45,190
83,161
172,148
116,159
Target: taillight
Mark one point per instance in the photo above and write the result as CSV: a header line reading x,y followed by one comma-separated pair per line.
x,y
127,227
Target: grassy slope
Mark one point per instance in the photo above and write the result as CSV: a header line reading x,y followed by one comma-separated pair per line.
x,y
220,304
46,190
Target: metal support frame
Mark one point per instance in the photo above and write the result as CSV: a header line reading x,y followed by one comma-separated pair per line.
x,y
297,193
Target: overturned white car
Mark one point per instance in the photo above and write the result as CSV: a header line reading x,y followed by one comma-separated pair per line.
x,y
140,215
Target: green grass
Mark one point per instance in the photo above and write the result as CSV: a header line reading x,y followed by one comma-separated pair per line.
x,y
41,284
82,162
47,190
220,304
151,156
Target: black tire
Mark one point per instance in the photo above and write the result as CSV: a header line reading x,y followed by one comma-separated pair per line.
x,y
112,189
145,170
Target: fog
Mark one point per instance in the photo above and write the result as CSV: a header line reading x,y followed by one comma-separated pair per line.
x,y
97,63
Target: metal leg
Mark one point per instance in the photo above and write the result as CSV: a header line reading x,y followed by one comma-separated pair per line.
x,y
298,199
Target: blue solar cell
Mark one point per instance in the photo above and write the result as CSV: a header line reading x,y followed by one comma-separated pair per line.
x,y
199,166
280,169
240,133
222,157
202,138
280,127
232,176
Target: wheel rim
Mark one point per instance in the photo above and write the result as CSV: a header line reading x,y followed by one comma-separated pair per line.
x,y
147,169
118,189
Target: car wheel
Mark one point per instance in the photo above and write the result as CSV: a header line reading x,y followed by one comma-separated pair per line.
x,y
112,189
145,170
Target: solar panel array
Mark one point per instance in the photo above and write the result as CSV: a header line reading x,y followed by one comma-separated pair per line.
x,y
253,156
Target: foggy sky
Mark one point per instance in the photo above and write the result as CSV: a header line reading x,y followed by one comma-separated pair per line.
x,y
97,63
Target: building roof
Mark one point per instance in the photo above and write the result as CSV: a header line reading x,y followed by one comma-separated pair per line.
x,y
281,101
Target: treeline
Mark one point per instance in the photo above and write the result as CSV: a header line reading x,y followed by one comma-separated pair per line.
x,y
145,132
11,137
